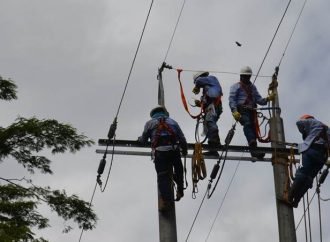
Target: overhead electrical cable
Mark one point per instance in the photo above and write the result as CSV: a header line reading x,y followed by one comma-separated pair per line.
x,y
217,71
308,203
294,28
199,208
309,220
174,31
271,43
90,204
207,190
113,126
223,200
305,221
319,207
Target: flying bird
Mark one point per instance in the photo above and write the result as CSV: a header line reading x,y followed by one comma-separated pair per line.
x,y
238,44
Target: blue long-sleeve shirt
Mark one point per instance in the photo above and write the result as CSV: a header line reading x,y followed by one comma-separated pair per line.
x,y
211,86
238,96
312,129
150,131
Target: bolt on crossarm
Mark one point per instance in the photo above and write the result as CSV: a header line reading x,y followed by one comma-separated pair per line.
x,y
285,216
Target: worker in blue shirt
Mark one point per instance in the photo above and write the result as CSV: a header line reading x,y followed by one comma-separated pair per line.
x,y
166,139
243,99
314,150
212,106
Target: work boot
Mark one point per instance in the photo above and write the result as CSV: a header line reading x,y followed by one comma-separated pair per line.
x,y
298,189
254,152
179,194
213,147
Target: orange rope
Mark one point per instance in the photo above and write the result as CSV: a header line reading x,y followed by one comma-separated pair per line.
x,y
183,98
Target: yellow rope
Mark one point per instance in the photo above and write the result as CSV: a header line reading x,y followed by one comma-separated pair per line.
x,y
198,166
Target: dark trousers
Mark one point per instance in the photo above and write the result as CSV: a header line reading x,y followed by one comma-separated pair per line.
x,y
165,161
248,122
313,160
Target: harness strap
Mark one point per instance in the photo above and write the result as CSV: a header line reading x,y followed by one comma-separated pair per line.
x,y
183,98
248,92
162,125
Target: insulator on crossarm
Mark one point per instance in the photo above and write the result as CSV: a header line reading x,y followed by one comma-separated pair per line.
x,y
324,175
215,171
229,136
101,166
112,129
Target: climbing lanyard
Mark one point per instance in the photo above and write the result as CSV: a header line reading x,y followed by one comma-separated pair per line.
x,y
184,101
198,168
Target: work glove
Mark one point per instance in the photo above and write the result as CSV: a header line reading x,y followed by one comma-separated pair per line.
x,y
271,97
236,115
198,103
196,90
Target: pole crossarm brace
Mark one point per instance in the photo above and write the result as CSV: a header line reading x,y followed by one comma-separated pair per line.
x,y
231,148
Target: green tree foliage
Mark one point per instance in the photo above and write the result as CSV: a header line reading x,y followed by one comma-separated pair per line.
x,y
19,198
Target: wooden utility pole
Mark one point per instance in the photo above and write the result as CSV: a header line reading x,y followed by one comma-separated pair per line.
x,y
285,217
167,219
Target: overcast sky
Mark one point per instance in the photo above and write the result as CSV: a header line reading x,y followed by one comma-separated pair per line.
x,y
71,59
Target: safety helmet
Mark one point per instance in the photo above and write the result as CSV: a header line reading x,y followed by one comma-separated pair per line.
x,y
306,116
158,109
199,74
246,70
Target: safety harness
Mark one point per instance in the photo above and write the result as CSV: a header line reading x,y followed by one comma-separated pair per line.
x,y
165,134
246,105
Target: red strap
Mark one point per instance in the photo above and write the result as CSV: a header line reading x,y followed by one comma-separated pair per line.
x,y
183,98
162,125
258,133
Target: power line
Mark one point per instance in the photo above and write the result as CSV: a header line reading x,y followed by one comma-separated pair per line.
x,y
294,28
223,200
271,43
174,31
200,206
217,71
90,204
114,124
308,203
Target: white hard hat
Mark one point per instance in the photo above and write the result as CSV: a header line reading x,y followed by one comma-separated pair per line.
x,y
158,109
246,70
200,73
